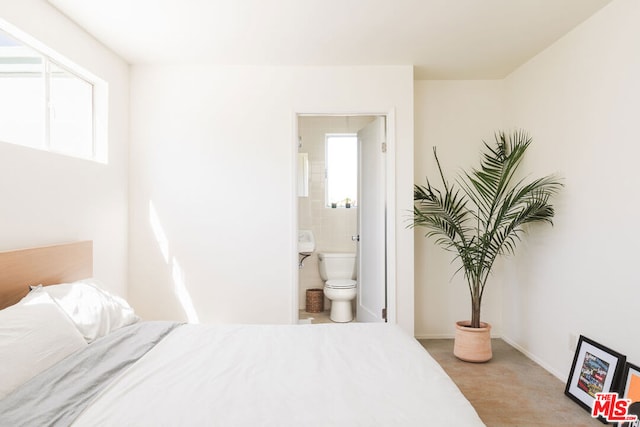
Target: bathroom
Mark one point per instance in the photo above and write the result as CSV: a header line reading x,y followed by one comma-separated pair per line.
x,y
330,213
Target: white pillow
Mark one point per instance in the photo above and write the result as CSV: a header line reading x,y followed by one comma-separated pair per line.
x,y
94,311
34,335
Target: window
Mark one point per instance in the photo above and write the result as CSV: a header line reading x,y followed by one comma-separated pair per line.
x,y
341,170
46,102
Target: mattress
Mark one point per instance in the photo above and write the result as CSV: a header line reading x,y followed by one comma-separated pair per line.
x,y
357,374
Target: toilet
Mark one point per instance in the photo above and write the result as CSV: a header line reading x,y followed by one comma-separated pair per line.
x,y
338,270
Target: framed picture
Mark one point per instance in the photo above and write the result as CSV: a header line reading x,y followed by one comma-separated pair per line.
x,y
630,389
595,369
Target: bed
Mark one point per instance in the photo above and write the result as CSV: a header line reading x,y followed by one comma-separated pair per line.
x,y
73,354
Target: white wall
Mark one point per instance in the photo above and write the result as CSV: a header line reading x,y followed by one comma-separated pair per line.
x,y
213,149
453,116
580,99
49,198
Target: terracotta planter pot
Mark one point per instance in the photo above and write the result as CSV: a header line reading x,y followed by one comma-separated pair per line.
x,y
472,344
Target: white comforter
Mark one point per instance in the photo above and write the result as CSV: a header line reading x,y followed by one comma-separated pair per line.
x,y
298,375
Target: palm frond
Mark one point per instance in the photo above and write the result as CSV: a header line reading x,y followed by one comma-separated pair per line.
x,y
481,215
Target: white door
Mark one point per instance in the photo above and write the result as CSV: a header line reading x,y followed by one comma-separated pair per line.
x,y
372,272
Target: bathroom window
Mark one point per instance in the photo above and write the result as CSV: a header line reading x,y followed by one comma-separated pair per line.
x,y
341,170
43,103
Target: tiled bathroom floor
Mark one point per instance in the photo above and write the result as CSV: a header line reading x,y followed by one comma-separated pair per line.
x,y
314,318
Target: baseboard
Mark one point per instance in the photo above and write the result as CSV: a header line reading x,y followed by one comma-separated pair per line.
x,y
442,336
542,364
433,337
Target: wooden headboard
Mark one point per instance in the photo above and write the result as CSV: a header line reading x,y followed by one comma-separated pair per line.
x,y
46,265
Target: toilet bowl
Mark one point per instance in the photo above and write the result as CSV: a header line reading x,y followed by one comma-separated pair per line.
x,y
338,270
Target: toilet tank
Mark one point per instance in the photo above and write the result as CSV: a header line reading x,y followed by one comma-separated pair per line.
x,y
337,265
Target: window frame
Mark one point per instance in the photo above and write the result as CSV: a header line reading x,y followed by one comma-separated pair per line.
x,y
99,97
327,202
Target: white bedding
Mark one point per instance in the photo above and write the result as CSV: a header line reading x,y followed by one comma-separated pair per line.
x,y
299,375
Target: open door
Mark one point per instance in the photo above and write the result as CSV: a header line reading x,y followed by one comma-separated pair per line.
x,y
372,271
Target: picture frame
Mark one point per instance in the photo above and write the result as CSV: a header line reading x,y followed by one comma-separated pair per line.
x,y
630,389
595,369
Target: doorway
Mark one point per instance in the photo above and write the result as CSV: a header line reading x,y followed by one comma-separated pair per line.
x,y
349,218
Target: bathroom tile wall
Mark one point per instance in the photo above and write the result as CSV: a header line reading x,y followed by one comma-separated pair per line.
x,y
332,228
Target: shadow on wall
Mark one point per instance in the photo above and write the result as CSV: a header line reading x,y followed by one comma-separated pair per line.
x,y
177,274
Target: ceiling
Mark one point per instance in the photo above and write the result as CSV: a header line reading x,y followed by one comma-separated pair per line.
x,y
443,39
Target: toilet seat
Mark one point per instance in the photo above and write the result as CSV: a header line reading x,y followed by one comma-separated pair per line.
x,y
340,284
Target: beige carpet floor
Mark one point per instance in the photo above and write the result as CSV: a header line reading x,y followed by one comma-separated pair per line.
x,y
510,390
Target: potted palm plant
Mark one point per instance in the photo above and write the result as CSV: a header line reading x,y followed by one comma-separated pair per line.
x,y
480,216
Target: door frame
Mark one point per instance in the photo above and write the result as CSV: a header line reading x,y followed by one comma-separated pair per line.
x,y
390,210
